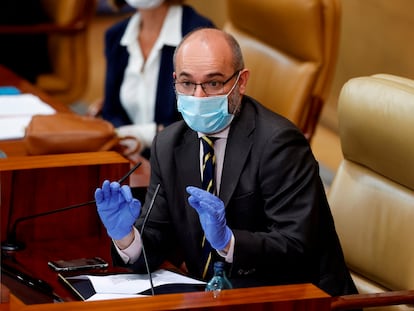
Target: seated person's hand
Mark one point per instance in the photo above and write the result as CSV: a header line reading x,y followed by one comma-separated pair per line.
x,y
210,209
95,108
117,209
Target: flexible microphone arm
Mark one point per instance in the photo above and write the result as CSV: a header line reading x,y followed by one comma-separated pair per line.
x,y
11,243
142,242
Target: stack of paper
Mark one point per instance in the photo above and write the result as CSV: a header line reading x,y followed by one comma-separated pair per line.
x,y
92,287
16,111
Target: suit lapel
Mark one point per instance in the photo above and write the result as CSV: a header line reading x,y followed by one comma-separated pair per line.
x,y
188,165
187,160
239,144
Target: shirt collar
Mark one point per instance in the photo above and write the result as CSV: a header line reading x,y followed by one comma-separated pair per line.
x,y
170,34
223,134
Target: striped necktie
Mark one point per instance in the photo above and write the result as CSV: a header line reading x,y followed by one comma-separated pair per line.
x,y
209,161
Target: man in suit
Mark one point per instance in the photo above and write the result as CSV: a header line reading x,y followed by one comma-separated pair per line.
x,y
267,216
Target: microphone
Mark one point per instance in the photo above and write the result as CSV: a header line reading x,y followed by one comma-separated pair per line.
x,y
142,242
11,243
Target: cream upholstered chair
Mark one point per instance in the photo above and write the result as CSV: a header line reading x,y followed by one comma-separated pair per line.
x,y
372,195
291,47
67,46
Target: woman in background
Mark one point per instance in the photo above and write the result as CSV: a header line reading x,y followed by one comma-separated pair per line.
x,y
139,93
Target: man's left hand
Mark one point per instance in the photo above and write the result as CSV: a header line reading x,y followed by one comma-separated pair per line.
x,y
210,209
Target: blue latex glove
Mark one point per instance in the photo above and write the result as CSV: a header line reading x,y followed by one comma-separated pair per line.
x,y
210,209
117,208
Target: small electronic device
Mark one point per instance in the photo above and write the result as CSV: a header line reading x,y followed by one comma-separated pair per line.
x,y
78,264
9,90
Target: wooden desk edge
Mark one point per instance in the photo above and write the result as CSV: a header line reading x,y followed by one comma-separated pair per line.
x,y
196,300
61,160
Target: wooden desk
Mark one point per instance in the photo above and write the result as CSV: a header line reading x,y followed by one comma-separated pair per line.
x,y
46,183
16,147
302,297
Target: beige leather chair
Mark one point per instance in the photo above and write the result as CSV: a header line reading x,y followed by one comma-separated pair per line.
x,y
291,48
372,195
68,48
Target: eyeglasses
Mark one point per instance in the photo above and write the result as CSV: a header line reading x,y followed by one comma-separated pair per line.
x,y
212,87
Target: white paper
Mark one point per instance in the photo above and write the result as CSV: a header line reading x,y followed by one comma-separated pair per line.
x,y
13,127
128,284
16,111
113,296
23,105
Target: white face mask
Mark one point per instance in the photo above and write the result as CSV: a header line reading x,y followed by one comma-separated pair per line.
x,y
144,4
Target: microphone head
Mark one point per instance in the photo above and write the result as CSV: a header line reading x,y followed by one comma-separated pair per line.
x,y
12,245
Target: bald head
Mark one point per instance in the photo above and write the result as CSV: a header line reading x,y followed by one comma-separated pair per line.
x,y
208,49
211,56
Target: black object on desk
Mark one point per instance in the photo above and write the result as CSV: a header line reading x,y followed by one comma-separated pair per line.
x,y
30,281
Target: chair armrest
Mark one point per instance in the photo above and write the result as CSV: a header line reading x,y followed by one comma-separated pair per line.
x,y
348,302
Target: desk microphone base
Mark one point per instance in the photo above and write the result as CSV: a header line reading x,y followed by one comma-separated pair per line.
x,y
12,246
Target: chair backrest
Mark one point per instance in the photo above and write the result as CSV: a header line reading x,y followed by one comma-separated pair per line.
x,y
372,195
291,48
68,48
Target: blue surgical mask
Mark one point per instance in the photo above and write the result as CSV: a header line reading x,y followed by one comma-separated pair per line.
x,y
207,115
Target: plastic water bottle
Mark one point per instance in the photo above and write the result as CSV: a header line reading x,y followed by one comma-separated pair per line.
x,y
219,280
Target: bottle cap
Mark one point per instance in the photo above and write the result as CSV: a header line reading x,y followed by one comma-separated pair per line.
x,y
219,265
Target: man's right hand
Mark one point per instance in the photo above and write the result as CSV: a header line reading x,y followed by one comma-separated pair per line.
x,y
117,209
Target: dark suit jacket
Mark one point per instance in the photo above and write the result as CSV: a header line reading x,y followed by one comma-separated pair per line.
x,y
275,205
117,60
